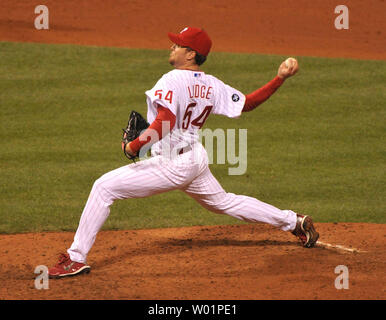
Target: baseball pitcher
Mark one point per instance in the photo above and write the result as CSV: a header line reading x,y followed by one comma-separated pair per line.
x,y
178,106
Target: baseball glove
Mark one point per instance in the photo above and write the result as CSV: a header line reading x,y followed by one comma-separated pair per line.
x,y
135,126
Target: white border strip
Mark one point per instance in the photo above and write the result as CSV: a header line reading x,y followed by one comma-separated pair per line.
x,y
339,247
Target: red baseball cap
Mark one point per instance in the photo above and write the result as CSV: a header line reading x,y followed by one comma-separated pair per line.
x,y
194,38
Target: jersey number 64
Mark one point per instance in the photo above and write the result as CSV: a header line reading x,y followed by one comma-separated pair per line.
x,y
198,121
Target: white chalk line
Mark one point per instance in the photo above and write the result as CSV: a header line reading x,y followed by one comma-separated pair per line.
x,y
338,247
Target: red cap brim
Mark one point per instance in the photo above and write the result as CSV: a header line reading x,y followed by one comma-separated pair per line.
x,y
175,39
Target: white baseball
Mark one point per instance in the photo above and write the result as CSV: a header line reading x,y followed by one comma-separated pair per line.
x,y
289,62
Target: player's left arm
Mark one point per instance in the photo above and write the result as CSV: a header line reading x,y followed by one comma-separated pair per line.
x,y
287,69
161,126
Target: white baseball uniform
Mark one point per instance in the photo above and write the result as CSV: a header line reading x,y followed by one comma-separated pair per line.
x,y
191,96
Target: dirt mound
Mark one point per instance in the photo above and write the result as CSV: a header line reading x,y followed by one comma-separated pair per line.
x,y
240,262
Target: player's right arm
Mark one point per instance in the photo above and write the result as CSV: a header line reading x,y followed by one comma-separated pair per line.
x,y
257,97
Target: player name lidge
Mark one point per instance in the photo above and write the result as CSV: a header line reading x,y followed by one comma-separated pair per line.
x,y
194,309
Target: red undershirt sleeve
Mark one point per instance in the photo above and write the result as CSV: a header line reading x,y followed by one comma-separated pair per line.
x,y
257,97
164,114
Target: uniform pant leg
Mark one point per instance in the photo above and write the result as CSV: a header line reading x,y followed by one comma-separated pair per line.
x,y
207,191
142,179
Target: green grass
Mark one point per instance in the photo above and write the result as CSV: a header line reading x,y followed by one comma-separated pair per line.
x,y
317,146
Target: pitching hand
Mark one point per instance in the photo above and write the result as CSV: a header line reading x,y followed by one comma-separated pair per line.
x,y
288,68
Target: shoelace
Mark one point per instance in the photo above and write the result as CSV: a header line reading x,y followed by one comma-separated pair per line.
x,y
63,258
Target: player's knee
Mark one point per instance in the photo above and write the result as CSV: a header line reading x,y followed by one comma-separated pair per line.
x,y
101,188
220,204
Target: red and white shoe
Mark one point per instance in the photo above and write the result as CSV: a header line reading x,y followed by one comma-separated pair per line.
x,y
305,231
66,267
